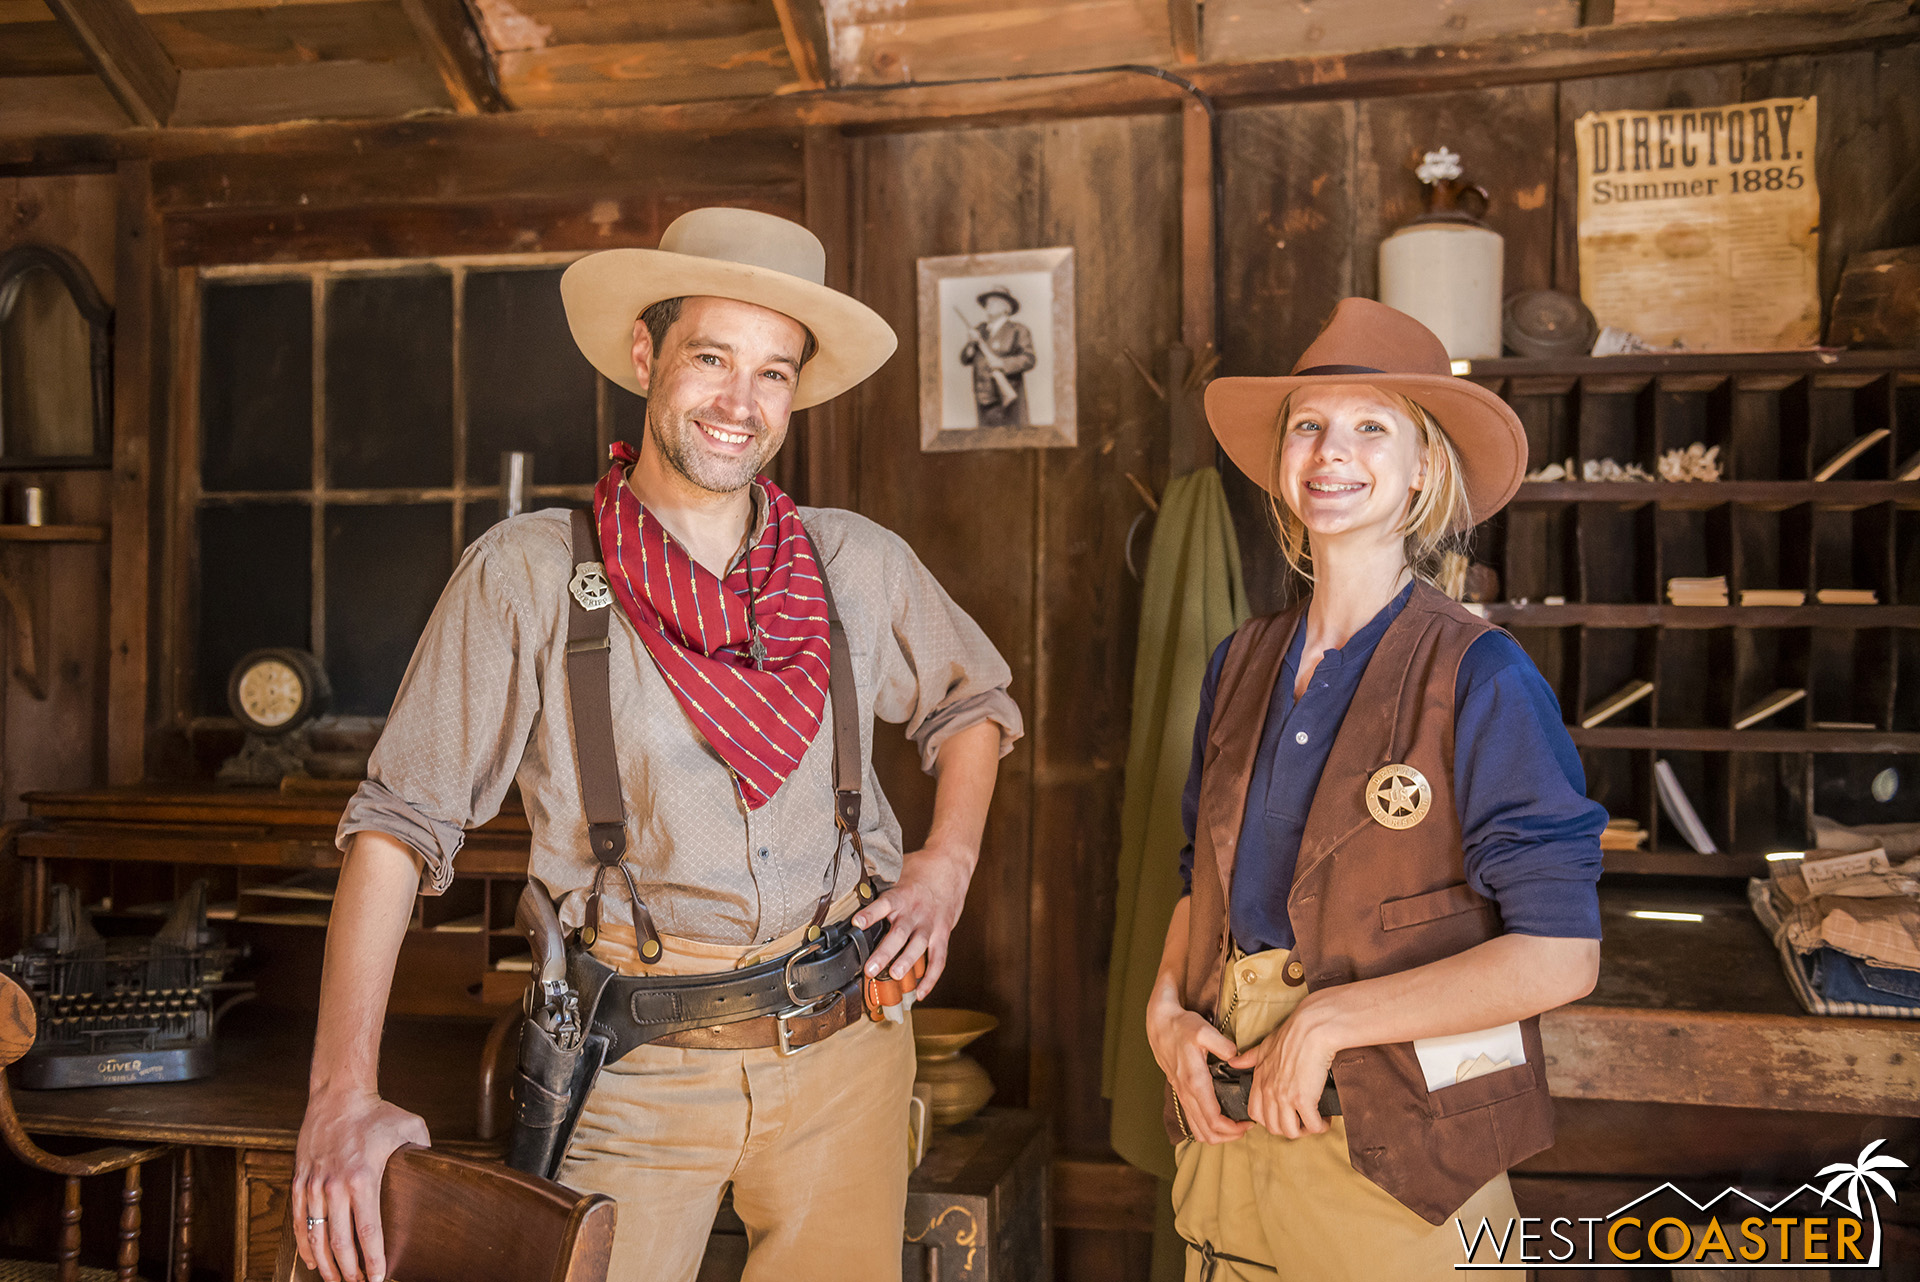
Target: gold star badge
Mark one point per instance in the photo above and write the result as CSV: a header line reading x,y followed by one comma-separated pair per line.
x,y
1398,796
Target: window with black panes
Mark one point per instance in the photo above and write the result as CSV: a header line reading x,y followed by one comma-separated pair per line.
x,y
351,423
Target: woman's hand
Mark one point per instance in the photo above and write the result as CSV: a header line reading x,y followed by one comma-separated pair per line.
x,y
1290,1069
1181,1042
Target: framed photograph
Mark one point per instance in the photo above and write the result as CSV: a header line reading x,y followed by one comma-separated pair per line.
x,y
996,351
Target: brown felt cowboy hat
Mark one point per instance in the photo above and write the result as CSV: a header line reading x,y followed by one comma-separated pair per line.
x,y
1369,342
740,254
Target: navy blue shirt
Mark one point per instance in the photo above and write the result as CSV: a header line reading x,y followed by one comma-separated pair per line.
x,y
1530,835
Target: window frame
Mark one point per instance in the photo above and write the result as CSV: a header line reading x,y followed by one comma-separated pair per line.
x,y
179,661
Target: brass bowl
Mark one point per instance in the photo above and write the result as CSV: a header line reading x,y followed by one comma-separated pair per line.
x,y
956,1086
942,1031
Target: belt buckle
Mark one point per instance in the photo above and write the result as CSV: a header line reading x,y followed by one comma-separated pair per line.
x,y
793,1012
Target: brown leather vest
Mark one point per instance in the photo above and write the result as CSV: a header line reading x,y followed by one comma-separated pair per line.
x,y
1430,1151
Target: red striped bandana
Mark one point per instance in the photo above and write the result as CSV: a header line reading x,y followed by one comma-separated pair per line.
x,y
697,628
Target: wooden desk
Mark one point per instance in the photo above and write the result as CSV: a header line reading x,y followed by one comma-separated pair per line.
x,y
976,1208
1699,1013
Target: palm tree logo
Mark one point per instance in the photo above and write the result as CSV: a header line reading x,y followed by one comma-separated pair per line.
x,y
1863,1175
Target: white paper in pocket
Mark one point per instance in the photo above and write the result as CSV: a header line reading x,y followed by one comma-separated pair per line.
x,y
1441,1058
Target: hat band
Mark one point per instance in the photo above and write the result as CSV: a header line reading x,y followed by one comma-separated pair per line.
x,y
1318,370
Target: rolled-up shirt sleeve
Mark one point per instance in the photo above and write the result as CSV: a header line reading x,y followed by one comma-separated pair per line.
x,y
461,720
1530,834
939,674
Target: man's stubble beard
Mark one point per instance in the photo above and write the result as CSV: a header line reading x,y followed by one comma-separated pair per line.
x,y
676,436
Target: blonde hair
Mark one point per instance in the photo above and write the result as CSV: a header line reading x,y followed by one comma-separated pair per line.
x,y
1438,520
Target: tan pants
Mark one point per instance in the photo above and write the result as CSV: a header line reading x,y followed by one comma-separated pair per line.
x,y
1297,1208
814,1144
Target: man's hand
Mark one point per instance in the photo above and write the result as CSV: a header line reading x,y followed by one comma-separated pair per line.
x,y
925,903
342,1154
921,909
1290,1069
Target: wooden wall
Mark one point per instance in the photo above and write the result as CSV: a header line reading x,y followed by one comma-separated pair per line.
x,y
1031,544
59,741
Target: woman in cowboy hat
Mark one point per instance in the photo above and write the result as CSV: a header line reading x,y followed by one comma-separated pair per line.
x,y
1393,862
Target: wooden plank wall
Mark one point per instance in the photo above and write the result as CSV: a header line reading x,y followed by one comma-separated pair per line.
x,y
1313,187
59,742
1031,544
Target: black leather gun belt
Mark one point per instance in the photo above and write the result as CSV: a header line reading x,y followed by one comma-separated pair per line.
x,y
788,1002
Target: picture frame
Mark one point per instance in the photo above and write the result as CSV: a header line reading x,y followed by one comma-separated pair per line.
x,y
997,364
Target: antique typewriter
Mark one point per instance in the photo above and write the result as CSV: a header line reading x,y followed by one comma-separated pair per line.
x,y
118,1010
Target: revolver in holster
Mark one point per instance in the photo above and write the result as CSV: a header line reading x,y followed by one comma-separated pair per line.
x,y
558,1060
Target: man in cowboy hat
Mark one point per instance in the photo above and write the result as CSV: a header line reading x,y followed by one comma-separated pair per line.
x,y
1000,353
728,615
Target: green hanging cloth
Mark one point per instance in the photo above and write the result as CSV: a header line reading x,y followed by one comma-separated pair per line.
x,y
1193,598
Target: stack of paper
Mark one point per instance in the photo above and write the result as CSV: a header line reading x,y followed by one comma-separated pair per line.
x,y
1626,696
1764,708
1711,591
1623,834
1772,596
1847,596
1674,801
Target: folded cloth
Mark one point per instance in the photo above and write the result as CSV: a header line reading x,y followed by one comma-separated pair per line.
x,y
1769,907
1900,841
1884,931
1840,978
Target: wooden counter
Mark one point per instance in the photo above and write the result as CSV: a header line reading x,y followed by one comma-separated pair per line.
x,y
1700,1013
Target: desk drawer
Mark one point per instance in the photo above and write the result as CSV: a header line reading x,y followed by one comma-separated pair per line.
x,y
261,1193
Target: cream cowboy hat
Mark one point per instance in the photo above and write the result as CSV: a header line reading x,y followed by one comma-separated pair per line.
x,y
1369,342
726,253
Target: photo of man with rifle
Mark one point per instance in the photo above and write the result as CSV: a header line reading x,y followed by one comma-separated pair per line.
x,y
681,681
1000,353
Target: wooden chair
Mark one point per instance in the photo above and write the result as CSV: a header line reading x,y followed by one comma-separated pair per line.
x,y
17,1023
452,1219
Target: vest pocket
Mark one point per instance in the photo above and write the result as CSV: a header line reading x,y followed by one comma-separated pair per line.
x,y
1478,1092
1448,901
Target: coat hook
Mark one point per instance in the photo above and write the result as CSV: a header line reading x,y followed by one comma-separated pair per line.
x,y
1152,382
1146,495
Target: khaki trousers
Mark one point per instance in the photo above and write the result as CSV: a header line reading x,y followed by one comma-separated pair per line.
x,y
814,1144
1296,1208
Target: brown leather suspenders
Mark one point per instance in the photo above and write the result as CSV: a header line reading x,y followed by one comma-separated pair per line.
x,y
590,699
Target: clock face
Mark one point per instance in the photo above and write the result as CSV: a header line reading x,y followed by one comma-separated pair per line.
x,y
271,692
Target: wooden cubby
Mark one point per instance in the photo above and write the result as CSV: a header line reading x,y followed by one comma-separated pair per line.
x,y
1584,567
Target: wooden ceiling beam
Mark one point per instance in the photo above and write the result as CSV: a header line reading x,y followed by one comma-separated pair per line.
x,y
805,27
130,59
458,52
1503,61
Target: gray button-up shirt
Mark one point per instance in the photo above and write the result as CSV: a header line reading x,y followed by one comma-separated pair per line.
x,y
484,703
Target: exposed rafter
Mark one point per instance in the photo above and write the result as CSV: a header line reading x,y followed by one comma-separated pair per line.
x,y
459,53
803,23
125,55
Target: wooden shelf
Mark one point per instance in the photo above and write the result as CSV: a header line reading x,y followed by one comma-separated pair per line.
x,y
1686,739
1706,365
1637,615
1684,496
1685,863
53,534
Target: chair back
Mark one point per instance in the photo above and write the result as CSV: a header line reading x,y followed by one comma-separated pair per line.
x,y
452,1219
